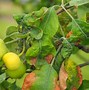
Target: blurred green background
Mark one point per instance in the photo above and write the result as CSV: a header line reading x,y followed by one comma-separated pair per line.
x,y
8,9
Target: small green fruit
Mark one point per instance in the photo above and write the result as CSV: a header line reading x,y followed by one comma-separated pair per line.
x,y
3,48
11,60
18,73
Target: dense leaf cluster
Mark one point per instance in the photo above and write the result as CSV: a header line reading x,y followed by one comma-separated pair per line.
x,y
44,40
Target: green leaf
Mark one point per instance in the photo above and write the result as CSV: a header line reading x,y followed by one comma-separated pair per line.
x,y
34,18
9,86
1,63
82,11
10,80
64,54
79,31
11,30
66,49
45,79
18,18
36,33
2,77
39,13
78,2
85,85
58,62
47,24
73,79
14,87
33,51
1,87
47,47
3,48
19,82
42,48
12,46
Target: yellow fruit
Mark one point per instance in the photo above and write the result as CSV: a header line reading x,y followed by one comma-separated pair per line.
x,y
18,73
3,48
11,60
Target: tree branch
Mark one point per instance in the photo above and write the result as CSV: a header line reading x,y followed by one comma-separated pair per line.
x,y
85,49
84,64
62,10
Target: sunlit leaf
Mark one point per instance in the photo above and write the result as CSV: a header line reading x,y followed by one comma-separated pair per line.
x,y
47,24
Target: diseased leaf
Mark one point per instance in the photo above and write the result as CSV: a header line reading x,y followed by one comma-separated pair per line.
x,y
42,79
78,2
47,24
57,87
63,77
29,80
49,58
64,54
79,34
74,79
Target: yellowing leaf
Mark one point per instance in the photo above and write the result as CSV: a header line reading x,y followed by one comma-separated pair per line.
x,y
74,79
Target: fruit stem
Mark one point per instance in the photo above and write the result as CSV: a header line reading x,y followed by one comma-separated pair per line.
x,y
12,41
20,54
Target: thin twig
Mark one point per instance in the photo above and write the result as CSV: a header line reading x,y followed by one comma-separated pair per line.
x,y
85,49
22,50
62,10
74,20
84,64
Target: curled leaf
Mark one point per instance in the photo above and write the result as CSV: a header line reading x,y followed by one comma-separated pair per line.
x,y
63,77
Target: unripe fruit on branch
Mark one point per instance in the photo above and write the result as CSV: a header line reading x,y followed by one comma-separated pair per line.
x,y
11,60
18,73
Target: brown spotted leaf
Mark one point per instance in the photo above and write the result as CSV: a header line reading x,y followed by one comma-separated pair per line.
x,y
43,79
74,79
49,58
63,77
29,80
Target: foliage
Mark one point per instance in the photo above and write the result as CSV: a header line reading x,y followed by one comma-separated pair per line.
x,y
44,41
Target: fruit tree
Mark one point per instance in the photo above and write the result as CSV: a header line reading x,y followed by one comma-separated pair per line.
x,y
35,54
